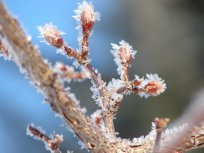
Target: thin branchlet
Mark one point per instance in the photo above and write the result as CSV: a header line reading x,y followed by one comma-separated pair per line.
x,y
51,144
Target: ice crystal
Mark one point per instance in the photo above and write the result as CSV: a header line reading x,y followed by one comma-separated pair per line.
x,y
138,78
83,146
150,138
76,64
96,94
61,51
115,84
83,110
29,38
72,95
106,133
95,89
169,134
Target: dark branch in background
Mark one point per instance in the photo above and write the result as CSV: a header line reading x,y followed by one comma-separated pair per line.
x,y
194,116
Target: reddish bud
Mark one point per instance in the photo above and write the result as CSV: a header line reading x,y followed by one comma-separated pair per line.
x,y
154,88
125,54
87,20
63,68
52,35
86,16
98,120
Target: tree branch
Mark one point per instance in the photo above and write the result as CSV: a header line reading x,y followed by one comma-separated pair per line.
x,y
194,116
30,62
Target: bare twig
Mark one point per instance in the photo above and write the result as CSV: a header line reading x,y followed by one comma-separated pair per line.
x,y
52,144
85,46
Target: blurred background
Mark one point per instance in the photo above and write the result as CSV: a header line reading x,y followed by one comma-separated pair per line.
x,y
168,35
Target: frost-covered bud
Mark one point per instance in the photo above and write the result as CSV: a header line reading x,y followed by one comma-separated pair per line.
x,y
51,35
123,52
86,16
87,19
152,86
60,67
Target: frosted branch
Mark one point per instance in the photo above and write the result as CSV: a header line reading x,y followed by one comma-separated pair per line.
x,y
29,61
96,132
194,117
